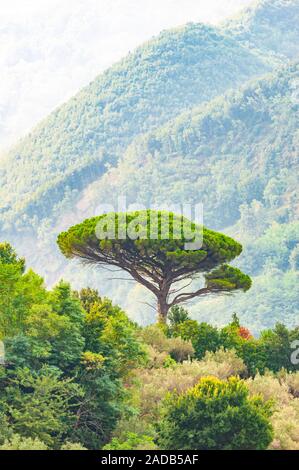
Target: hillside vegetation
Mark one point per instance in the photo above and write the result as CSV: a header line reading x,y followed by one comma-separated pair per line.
x,y
173,72
77,374
207,155
176,122
270,25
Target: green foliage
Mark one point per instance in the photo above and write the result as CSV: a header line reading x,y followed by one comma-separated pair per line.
x,y
227,278
9,256
269,25
235,153
248,191
207,339
17,442
18,293
160,79
39,404
177,315
72,446
77,371
79,374
109,332
215,415
101,235
137,243
133,442
64,366
176,348
271,351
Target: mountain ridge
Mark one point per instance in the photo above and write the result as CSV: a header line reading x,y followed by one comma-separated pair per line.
x,y
88,127
181,123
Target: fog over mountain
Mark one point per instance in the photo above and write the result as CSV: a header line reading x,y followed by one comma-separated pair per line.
x,y
199,112
50,48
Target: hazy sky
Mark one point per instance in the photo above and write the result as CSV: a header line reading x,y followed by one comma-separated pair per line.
x,y
49,49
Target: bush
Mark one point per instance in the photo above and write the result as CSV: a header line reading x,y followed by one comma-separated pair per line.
x,y
156,383
155,359
292,382
155,337
207,338
177,315
180,350
133,442
223,364
269,387
72,446
177,348
286,427
214,415
17,442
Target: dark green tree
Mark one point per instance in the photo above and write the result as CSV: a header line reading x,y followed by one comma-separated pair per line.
x,y
41,404
178,315
9,256
215,415
154,248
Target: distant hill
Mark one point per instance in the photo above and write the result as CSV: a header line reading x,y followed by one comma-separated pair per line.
x,y
224,153
197,114
238,155
177,70
269,25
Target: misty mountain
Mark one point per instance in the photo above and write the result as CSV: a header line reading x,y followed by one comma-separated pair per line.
x,y
177,70
269,25
198,114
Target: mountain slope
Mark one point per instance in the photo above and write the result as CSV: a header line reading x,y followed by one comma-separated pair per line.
x,y
269,25
177,70
145,118
238,155
224,154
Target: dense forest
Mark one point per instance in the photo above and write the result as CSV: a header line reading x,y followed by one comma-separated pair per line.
x,y
199,114
207,155
163,77
155,129
78,374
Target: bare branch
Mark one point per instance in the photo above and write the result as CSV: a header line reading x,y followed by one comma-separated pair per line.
x,y
148,304
190,295
175,291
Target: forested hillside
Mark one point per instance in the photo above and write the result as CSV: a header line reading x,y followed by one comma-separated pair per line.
x,y
238,156
199,114
223,154
270,25
175,71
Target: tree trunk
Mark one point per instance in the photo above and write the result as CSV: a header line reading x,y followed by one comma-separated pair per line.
x,y
163,308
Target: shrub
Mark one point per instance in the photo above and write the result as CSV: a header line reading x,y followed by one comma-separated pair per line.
x,y
292,382
269,387
155,337
214,415
177,348
207,339
155,359
72,446
222,364
155,383
17,442
180,350
177,315
133,442
285,423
